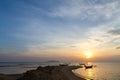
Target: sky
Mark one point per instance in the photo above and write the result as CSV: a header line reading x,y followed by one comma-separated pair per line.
x,y
38,30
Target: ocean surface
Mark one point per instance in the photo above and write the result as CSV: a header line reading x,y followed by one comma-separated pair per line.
x,y
21,67
101,71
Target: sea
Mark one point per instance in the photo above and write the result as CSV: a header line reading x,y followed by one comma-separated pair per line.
x,y
21,67
100,71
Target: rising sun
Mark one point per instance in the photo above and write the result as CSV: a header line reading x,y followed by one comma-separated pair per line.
x,y
88,54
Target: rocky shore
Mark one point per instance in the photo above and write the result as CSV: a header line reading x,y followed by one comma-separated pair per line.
x,y
45,73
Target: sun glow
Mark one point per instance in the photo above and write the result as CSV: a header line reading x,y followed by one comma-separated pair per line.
x,y
88,54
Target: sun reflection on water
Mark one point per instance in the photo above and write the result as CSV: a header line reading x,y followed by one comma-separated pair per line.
x,y
100,71
89,74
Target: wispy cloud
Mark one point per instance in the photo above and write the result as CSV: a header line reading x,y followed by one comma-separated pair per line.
x,y
118,47
105,35
88,9
115,32
71,26
80,9
47,36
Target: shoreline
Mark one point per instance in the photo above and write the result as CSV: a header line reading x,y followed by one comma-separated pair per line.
x,y
46,73
76,74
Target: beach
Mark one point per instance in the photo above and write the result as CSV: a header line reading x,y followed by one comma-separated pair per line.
x,y
45,73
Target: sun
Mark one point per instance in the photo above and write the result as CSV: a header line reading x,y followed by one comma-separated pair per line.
x,y
88,54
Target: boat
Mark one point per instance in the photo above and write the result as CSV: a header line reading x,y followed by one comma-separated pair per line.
x,y
88,66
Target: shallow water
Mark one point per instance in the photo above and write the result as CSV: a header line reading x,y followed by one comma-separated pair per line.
x,y
102,71
21,67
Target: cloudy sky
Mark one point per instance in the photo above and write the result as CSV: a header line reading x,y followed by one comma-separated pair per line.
x,y
35,30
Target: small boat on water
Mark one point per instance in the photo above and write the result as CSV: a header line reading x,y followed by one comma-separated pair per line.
x,y
88,66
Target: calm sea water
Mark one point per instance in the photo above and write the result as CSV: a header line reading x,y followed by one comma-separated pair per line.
x,y
102,71
21,67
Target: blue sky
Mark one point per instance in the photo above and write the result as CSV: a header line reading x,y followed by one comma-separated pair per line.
x,y
49,29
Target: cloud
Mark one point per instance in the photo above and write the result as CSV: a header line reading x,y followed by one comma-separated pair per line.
x,y
86,9
105,35
118,47
99,40
115,32
42,34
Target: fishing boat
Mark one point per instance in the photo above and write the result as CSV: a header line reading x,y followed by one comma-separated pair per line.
x,y
88,66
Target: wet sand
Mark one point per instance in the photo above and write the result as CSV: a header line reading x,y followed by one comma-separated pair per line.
x,y
46,73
